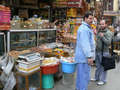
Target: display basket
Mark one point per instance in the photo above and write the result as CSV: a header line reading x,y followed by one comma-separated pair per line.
x,y
50,69
68,67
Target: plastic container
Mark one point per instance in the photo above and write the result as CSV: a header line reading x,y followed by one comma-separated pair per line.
x,y
47,81
68,67
50,69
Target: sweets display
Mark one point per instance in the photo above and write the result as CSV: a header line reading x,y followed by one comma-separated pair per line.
x,y
50,61
15,54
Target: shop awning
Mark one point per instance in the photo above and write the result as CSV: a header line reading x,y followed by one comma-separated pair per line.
x,y
74,3
68,3
111,13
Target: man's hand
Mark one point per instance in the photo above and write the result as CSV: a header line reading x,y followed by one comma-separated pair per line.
x,y
90,61
101,34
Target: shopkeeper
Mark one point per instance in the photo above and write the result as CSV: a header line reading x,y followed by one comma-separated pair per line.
x,y
85,52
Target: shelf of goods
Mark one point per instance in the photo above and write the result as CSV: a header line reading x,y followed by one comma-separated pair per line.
x,y
28,38
4,17
66,37
72,12
59,14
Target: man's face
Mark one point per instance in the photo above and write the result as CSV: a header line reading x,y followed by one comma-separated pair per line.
x,y
89,20
102,24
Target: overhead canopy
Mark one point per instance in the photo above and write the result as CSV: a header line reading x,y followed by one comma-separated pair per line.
x,y
74,3
111,13
68,3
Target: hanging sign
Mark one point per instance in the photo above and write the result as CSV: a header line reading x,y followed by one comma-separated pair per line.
x,y
111,13
74,3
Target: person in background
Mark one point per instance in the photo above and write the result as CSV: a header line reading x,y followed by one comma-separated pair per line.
x,y
103,36
111,28
94,25
117,33
84,52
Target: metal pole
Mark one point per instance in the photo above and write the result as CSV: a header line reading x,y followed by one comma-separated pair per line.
x,y
5,44
8,41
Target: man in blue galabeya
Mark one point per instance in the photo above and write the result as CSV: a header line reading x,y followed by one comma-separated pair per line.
x,y
84,52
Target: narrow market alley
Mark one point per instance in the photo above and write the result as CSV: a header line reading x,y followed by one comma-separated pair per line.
x,y
113,80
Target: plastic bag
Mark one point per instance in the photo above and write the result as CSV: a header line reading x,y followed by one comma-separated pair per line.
x,y
3,62
9,65
7,77
3,78
10,82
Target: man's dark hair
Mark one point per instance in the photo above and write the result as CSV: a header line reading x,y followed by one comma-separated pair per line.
x,y
87,14
106,21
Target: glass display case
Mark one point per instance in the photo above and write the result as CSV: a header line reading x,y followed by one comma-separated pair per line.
x,y
22,39
46,36
25,39
52,36
2,44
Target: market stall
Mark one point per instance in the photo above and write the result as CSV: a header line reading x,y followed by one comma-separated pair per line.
x,y
33,44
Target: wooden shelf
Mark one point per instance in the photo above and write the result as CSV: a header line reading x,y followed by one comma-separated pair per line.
x,y
26,75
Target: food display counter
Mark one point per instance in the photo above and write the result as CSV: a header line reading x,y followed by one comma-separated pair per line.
x,y
28,38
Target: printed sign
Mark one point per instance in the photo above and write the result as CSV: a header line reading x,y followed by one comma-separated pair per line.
x,y
74,3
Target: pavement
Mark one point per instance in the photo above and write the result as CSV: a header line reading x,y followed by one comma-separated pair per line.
x,y
113,81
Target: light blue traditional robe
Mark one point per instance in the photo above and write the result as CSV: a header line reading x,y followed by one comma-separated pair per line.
x,y
85,47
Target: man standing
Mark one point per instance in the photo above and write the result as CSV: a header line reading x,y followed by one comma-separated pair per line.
x,y
104,37
84,53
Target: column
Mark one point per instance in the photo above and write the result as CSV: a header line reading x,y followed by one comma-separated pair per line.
x,y
115,5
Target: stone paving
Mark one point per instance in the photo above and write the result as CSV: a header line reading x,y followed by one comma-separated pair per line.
x,y
113,81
